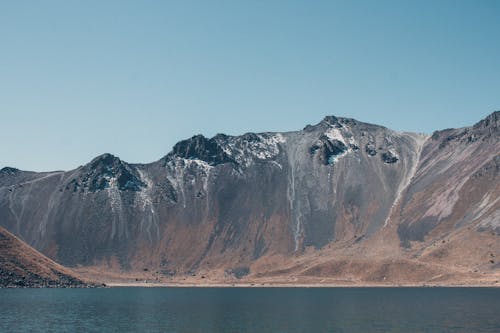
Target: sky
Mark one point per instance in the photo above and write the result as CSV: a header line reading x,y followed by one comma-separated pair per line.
x,y
132,78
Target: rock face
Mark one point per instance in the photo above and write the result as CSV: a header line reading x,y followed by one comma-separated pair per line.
x,y
230,201
22,266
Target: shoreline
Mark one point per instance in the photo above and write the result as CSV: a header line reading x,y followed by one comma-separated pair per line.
x,y
115,284
285,285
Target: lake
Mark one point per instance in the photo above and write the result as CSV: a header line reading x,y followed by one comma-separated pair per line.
x,y
361,310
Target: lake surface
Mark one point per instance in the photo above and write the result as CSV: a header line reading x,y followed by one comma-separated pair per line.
x,y
251,310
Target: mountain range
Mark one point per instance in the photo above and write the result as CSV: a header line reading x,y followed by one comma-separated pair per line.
x,y
341,201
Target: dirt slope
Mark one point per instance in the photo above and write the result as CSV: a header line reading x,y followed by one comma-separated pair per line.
x,y
22,266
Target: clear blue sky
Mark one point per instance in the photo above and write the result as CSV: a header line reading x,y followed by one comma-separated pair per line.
x,y
80,78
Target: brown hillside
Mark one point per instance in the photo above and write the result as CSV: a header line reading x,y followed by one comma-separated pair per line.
x,y
22,266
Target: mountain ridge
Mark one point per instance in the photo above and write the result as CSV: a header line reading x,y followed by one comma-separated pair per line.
x,y
495,115
228,203
329,119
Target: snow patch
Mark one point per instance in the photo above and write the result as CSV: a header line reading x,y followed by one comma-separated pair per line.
x,y
149,218
394,153
334,133
177,174
246,149
143,198
345,137
115,200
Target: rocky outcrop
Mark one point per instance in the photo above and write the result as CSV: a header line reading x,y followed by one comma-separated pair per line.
x,y
104,172
203,149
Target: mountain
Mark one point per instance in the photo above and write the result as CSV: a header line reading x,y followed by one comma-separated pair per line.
x,y
22,266
336,197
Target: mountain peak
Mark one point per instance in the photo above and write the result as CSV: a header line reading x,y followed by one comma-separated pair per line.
x,y
202,148
338,121
8,170
105,171
106,159
331,120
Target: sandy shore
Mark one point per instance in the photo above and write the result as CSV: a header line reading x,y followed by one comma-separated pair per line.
x,y
349,278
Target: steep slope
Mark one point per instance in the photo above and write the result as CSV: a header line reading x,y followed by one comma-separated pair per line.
x,y
22,266
456,181
242,205
450,211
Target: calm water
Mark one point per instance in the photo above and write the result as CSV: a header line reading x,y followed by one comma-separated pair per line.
x,y
250,310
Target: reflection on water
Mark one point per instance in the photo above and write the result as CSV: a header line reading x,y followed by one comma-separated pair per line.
x,y
251,310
